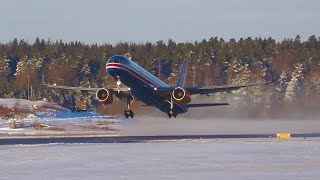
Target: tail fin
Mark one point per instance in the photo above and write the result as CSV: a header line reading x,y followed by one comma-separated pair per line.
x,y
181,78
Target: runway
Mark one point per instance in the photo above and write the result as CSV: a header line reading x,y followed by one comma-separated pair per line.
x,y
132,139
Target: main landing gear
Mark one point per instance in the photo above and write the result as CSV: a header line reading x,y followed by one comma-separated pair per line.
x,y
128,112
171,112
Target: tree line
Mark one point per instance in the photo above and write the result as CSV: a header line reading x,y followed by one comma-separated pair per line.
x,y
293,64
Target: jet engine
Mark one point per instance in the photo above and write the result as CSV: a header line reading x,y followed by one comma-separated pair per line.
x,y
104,96
181,95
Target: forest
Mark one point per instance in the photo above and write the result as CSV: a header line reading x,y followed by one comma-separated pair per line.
x,y
293,65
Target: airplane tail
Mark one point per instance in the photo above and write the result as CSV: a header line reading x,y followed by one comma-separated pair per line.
x,y
181,79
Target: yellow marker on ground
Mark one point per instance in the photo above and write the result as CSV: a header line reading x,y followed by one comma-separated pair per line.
x,y
283,135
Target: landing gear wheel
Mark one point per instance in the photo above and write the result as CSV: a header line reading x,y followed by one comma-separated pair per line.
x,y
128,113
171,114
131,114
174,115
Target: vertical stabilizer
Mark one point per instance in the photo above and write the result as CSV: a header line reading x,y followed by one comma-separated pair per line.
x,y
181,78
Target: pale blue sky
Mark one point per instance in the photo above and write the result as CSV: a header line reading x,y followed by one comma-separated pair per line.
x,y
104,21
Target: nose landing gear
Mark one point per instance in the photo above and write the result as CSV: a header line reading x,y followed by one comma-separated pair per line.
x,y
170,114
118,83
128,112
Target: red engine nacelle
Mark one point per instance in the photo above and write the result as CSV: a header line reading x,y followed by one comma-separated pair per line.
x,y
181,95
104,96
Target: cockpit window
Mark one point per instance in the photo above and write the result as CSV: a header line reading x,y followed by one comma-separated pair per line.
x,y
118,59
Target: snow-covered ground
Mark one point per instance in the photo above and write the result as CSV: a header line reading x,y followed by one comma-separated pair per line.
x,y
182,159
21,103
209,159
54,119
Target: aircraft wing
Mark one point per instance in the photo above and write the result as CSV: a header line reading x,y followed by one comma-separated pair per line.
x,y
88,89
215,89
71,88
166,91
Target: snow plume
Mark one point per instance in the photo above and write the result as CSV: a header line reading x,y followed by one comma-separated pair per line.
x,y
236,118
233,119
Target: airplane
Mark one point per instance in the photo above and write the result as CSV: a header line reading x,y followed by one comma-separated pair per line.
x,y
145,87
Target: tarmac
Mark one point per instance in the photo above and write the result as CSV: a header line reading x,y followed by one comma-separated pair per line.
x,y
32,140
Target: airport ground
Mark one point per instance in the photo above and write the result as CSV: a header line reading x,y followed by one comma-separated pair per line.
x,y
223,148
267,158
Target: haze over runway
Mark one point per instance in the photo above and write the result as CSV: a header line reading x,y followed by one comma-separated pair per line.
x,y
99,21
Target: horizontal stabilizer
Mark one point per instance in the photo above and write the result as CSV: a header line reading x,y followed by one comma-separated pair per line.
x,y
206,104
